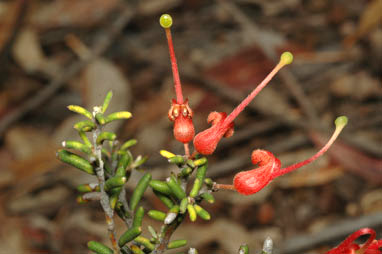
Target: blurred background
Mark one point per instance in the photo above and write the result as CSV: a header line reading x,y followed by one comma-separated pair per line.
x,y
59,52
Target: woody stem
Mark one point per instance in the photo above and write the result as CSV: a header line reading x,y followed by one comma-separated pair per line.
x,y
174,66
187,150
218,186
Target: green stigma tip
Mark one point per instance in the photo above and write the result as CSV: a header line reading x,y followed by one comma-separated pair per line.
x,y
341,121
286,58
165,21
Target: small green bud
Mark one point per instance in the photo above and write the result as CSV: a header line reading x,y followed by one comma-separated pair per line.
x,y
165,21
341,121
286,58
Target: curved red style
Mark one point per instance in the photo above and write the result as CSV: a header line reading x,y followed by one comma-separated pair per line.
x,y
251,181
371,246
206,141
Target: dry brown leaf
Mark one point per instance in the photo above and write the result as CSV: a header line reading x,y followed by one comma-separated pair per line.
x,y
370,19
28,54
8,17
152,7
357,86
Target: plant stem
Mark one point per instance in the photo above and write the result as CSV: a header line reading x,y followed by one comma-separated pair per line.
x,y
166,234
122,198
187,150
109,213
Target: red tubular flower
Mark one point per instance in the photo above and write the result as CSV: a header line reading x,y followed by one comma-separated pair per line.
x,y
252,181
348,246
180,112
181,115
206,141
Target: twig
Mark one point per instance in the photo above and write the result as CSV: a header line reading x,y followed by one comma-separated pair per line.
x,y
168,230
102,42
105,202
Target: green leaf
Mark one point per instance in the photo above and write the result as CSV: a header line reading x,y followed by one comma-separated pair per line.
x,y
84,126
118,116
139,190
160,186
100,118
138,217
156,215
106,101
75,161
75,145
105,135
199,179
85,138
165,199
200,162
128,144
113,182
145,242
80,110
129,235
175,187
191,212
176,244
99,248
208,197
202,213
84,188
244,249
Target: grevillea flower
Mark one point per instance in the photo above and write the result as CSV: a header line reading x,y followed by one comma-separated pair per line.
x,y
206,141
371,246
180,112
269,167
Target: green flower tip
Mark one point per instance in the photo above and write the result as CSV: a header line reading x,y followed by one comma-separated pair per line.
x,y
286,58
165,21
341,121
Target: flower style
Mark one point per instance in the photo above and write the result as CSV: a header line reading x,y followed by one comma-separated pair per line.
x,y
252,181
180,112
206,141
372,246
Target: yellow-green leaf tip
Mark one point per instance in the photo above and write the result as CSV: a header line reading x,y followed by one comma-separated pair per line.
x,y
165,21
341,121
286,58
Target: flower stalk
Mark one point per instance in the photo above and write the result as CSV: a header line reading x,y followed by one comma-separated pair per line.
x,y
206,141
105,202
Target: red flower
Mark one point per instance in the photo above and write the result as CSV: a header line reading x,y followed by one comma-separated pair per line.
x,y
252,181
180,112
372,246
206,141
181,115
